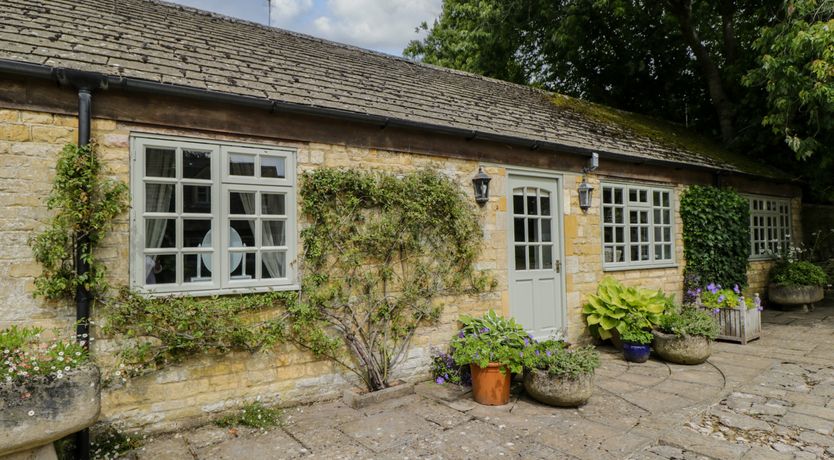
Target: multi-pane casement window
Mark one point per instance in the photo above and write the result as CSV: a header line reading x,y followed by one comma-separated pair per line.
x,y
636,226
770,225
211,217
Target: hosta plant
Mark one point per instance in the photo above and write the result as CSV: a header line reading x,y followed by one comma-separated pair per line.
x,y
615,306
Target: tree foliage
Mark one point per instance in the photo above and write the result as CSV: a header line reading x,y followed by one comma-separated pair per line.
x,y
716,236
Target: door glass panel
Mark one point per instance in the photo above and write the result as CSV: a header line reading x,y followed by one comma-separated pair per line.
x,y
533,257
546,235
532,230
518,201
545,203
547,256
518,229
532,208
520,258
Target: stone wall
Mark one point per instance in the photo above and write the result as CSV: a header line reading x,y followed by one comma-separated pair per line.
x,y
205,385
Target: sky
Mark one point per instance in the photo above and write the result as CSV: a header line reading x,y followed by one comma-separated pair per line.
x,y
381,25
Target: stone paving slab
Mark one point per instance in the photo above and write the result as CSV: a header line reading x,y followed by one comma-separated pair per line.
x,y
770,399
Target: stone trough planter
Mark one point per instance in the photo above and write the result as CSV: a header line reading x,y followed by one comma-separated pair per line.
x,y
358,398
558,391
806,296
45,409
688,349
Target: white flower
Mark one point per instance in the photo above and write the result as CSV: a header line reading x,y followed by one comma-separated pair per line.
x,y
5,352
77,353
60,353
60,358
67,368
118,373
31,413
60,375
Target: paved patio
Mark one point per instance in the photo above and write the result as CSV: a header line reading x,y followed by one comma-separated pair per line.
x,y
773,398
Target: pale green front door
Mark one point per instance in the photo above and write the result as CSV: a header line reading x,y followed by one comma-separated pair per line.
x,y
535,279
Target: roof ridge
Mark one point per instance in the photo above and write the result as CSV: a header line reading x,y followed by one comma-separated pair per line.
x,y
272,29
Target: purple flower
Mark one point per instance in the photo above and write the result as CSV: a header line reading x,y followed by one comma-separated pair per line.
x,y
711,288
760,308
461,334
440,381
698,291
547,353
715,311
736,289
526,342
484,330
721,298
537,353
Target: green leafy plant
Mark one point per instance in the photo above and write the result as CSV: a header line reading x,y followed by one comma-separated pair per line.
x,y
716,236
715,297
636,335
560,360
165,330
798,273
444,369
85,203
615,305
253,415
26,355
381,252
490,339
689,322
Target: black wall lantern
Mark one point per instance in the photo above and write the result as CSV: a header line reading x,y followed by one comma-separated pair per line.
x,y
481,185
586,192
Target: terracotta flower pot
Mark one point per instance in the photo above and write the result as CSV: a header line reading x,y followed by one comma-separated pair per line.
x,y
491,386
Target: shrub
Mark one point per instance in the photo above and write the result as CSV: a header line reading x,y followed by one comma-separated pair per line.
x,y
798,273
716,235
560,360
254,415
614,306
490,339
690,321
444,369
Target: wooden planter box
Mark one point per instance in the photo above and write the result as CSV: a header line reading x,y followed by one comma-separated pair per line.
x,y
738,324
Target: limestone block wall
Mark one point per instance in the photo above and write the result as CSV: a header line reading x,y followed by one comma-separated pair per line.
x,y
192,392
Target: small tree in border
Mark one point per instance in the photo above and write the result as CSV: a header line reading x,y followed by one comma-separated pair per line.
x,y
380,252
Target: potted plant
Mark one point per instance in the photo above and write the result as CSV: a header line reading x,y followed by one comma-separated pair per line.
x,y
493,347
797,282
559,375
739,319
684,337
636,343
48,389
607,310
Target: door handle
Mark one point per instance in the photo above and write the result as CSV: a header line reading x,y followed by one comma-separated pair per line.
x,y
557,265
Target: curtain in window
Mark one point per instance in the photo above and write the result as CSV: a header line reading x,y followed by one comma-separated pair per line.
x,y
157,198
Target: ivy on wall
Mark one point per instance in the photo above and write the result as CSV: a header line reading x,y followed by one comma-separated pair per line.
x,y
716,238
85,203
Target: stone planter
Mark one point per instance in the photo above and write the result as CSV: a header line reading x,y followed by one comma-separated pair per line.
x,y
795,295
558,391
45,409
359,398
690,349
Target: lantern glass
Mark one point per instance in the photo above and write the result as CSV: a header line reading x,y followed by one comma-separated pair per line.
x,y
480,184
586,193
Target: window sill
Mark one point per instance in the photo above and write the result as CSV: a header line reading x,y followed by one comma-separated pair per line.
x,y
218,292
639,267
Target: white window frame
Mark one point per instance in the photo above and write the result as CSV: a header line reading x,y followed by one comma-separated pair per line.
x,y
782,228
221,181
627,206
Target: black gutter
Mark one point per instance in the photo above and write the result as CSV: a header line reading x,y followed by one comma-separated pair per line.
x,y
147,86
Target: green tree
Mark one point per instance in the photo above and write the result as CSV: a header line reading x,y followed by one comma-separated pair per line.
x,y
676,59
797,71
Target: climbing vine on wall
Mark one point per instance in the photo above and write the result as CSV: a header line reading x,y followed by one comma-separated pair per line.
x,y
380,252
716,238
84,202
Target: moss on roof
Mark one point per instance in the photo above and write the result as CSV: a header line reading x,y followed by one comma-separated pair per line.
x,y
668,134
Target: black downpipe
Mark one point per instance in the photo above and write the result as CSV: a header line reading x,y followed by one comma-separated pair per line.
x,y
82,294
